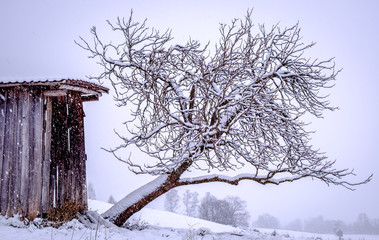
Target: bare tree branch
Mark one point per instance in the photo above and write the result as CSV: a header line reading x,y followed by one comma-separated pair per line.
x,y
241,105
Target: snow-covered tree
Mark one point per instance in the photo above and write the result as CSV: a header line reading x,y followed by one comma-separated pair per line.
x,y
375,225
230,211
295,225
191,203
172,199
317,225
111,200
363,224
239,215
91,191
267,221
192,107
213,209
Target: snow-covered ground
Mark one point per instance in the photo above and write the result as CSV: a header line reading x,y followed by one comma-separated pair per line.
x,y
164,219
151,224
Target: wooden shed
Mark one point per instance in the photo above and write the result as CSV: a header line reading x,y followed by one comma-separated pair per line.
x,y
42,149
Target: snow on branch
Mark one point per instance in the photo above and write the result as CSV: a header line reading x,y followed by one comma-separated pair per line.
x,y
240,106
267,179
135,196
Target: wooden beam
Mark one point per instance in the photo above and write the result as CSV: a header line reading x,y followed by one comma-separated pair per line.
x,y
88,98
79,89
55,93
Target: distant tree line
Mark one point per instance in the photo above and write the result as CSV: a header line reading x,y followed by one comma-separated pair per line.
x,y
362,225
266,221
229,211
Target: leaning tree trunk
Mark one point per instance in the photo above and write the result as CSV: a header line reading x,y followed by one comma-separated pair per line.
x,y
138,199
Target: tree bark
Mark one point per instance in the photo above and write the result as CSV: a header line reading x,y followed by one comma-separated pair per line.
x,y
148,195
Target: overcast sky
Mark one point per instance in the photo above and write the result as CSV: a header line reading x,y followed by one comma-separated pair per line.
x,y
37,40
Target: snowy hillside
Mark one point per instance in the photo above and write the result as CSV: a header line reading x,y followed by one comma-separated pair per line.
x,y
164,219
150,224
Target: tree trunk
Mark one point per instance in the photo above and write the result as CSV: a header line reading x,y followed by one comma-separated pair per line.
x,y
138,199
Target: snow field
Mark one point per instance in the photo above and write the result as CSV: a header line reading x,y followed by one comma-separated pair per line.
x,y
152,224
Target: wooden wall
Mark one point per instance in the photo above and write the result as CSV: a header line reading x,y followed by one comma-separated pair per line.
x,y
42,155
68,151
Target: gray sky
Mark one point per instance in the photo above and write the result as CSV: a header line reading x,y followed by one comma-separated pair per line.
x,y
37,40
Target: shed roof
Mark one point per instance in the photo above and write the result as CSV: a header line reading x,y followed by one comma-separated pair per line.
x,y
59,86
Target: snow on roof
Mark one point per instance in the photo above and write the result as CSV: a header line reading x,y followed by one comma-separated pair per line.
x,y
86,83
41,79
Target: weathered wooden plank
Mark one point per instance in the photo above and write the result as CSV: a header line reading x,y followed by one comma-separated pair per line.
x,y
54,165
76,158
82,186
45,201
17,209
8,153
73,134
53,191
35,188
25,145
66,161
3,109
13,157
81,154
5,168
31,145
53,182
38,150
59,146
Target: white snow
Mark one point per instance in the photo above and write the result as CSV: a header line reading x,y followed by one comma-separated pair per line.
x,y
43,79
98,206
134,197
172,220
155,224
238,177
160,218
